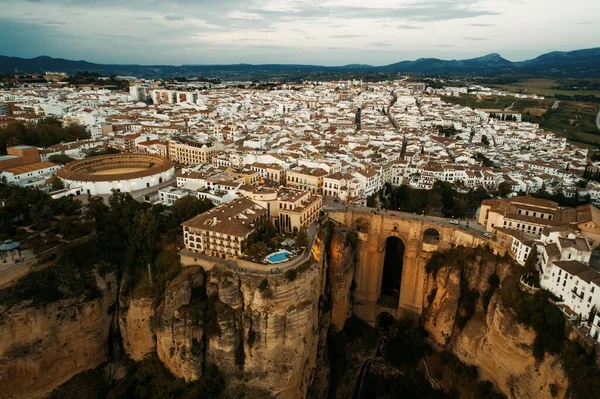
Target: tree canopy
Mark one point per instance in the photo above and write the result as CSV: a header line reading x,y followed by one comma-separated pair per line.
x,y
442,200
46,132
188,207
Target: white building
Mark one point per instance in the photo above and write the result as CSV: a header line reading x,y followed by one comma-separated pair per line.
x,y
30,175
368,180
168,195
577,284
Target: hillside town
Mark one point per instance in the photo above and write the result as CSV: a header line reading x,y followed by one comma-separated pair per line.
x,y
344,140
282,154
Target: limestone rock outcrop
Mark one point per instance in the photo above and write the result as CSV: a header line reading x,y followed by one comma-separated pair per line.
x,y
43,347
136,328
492,340
265,328
341,268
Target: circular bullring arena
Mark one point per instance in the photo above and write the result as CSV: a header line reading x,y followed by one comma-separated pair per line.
x,y
119,172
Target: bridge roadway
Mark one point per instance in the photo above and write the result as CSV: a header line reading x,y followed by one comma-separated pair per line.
x,y
469,225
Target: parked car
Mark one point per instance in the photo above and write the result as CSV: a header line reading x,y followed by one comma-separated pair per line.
x,y
454,222
486,234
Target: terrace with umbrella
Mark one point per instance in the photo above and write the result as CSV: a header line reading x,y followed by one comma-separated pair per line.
x,y
9,247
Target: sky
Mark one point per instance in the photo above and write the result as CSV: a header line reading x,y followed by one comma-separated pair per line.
x,y
328,32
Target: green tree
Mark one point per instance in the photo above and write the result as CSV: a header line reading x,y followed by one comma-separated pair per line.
x,y
531,261
372,201
403,150
142,245
257,250
188,207
57,184
504,189
302,238
60,158
45,133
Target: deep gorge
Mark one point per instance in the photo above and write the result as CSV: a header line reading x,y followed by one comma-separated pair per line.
x,y
219,333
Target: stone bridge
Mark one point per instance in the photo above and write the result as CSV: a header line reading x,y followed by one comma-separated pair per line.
x,y
397,288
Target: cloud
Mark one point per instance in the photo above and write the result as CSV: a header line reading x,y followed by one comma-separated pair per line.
x,y
381,45
436,10
250,39
192,31
408,27
346,36
174,18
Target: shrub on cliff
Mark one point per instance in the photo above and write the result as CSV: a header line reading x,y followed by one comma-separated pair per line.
x,y
584,375
150,379
435,263
264,289
536,312
407,346
72,276
291,275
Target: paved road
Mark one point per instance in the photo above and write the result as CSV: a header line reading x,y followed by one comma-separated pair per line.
x,y
510,107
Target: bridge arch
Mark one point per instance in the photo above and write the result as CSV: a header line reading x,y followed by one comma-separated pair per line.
x,y
431,236
391,276
362,225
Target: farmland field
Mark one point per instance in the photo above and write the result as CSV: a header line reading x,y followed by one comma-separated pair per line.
x,y
544,87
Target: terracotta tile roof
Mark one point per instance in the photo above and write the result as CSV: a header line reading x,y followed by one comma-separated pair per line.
x,y
32,167
235,218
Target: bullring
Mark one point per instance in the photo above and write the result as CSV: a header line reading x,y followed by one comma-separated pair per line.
x,y
120,172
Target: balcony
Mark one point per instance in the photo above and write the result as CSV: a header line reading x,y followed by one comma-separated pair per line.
x,y
580,295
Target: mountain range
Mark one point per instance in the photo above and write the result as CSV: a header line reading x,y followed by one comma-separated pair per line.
x,y
580,64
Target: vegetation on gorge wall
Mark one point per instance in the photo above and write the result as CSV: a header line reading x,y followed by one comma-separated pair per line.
x,y
535,311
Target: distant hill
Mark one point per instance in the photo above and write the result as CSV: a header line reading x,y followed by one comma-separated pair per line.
x,y
579,63
487,63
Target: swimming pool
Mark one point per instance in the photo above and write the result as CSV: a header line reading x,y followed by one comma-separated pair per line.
x,y
278,257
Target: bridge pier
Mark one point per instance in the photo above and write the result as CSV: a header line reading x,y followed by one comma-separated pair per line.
x,y
373,231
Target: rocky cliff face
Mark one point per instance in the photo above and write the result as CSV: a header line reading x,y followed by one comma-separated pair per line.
x,y
341,267
43,347
136,327
491,339
262,331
